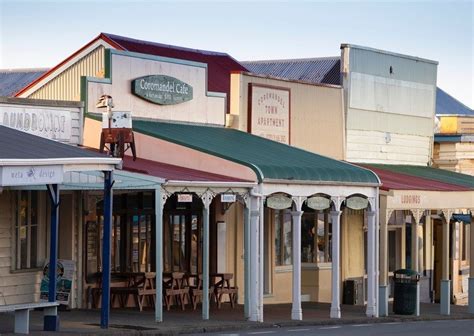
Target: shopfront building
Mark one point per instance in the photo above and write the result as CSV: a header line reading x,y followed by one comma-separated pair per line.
x,y
178,106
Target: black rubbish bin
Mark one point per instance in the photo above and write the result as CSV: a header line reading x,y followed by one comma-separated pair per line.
x,y
404,291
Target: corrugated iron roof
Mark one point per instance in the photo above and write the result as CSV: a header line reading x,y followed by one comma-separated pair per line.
x,y
220,65
323,70
12,80
173,173
405,177
268,159
447,104
16,144
326,70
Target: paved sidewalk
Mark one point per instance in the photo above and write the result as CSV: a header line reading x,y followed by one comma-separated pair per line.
x,y
132,322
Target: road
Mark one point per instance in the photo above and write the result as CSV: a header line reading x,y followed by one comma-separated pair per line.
x,y
431,328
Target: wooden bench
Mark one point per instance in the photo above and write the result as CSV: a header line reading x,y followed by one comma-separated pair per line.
x,y
22,313
139,285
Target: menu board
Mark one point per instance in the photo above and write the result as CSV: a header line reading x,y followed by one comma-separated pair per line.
x,y
92,252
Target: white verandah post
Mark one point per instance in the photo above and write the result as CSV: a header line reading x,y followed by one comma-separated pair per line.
x,y
254,259
336,243
296,311
206,201
159,203
371,272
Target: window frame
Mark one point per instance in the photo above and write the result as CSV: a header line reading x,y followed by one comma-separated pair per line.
x,y
16,256
279,259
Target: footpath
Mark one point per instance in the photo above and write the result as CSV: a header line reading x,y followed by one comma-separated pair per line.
x,y
133,322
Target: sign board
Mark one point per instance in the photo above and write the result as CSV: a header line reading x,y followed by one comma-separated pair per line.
x,y
318,203
269,112
65,273
228,198
279,202
46,123
162,90
357,203
30,175
185,198
119,120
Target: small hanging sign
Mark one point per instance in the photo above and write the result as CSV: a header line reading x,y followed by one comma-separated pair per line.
x,y
279,202
357,203
185,198
318,203
228,198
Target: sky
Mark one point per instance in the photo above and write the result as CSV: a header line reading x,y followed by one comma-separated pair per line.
x,y
43,33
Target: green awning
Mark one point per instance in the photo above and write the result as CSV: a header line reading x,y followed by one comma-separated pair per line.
x,y
431,173
268,159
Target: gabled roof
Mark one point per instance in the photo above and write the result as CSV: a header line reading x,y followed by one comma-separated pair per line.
x,y
322,70
12,80
270,160
448,105
220,65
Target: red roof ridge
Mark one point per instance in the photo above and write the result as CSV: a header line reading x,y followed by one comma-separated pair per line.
x,y
114,37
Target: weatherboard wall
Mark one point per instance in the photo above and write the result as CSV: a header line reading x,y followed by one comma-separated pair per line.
x,y
390,106
66,85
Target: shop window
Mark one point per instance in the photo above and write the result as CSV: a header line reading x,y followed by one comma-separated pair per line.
x,y
315,238
132,236
26,230
392,250
283,237
183,243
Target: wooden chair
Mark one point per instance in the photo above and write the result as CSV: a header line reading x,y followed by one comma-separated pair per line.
x,y
176,289
223,287
196,291
146,290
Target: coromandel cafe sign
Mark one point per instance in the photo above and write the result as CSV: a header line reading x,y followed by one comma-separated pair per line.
x,y
161,89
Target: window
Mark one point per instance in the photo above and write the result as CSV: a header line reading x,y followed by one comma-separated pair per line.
x,y
183,243
26,230
132,235
283,237
392,250
315,238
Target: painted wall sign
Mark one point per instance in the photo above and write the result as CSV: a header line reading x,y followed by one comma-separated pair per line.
x,y
51,124
162,90
357,203
318,203
279,202
228,198
269,112
185,198
29,175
